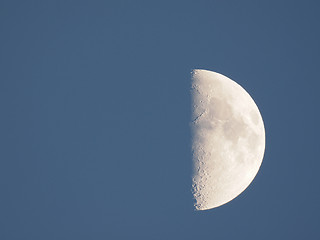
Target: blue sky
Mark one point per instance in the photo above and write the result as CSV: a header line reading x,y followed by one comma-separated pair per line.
x,y
95,111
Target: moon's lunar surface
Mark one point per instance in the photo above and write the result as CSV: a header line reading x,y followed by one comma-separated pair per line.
x,y
228,139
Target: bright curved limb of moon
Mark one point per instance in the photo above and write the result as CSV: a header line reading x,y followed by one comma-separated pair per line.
x,y
228,139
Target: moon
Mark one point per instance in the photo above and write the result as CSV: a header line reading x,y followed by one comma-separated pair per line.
x,y
228,139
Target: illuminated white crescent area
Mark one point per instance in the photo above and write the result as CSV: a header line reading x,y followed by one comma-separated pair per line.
x,y
228,139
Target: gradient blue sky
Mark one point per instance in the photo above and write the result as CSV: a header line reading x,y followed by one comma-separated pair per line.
x,y
95,110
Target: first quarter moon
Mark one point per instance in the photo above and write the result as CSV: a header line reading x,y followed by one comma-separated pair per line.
x,y
228,139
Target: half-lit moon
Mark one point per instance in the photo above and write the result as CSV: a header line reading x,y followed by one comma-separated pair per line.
x,y
228,139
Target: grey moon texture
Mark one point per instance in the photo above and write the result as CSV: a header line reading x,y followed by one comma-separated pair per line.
x,y
228,139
